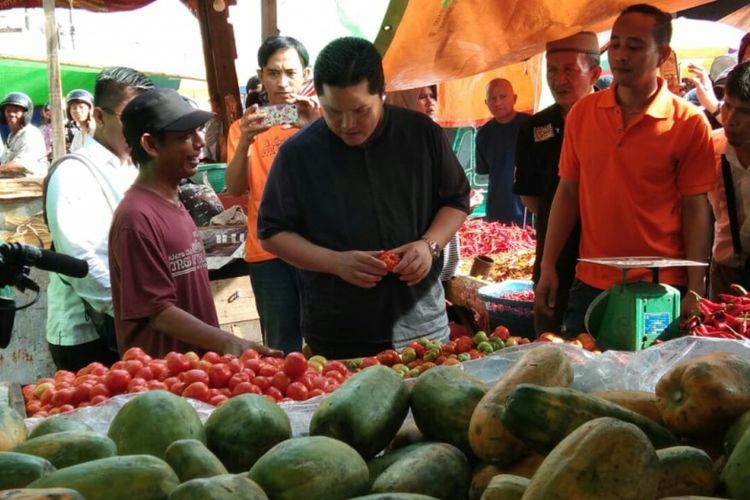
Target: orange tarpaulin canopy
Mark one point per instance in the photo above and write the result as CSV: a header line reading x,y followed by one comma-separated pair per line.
x,y
461,43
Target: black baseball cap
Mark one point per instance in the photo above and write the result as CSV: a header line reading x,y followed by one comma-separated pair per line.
x,y
160,110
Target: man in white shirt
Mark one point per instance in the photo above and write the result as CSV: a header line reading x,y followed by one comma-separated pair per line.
x,y
732,237
83,190
25,153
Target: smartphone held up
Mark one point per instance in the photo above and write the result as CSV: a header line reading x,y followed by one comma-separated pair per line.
x,y
280,114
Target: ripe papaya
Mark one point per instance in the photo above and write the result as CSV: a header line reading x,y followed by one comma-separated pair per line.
x,y
546,365
685,471
506,487
542,416
641,402
435,469
58,423
67,448
191,459
12,428
313,468
151,421
17,470
245,427
603,459
442,401
221,487
365,412
142,477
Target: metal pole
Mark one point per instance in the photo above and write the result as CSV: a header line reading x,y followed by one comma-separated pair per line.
x,y
53,72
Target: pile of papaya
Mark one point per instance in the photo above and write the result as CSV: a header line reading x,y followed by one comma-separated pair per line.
x,y
446,435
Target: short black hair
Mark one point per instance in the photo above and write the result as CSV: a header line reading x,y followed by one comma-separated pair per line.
x,y
273,44
663,29
738,82
348,61
113,83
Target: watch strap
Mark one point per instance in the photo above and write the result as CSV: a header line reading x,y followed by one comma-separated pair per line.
x,y
434,247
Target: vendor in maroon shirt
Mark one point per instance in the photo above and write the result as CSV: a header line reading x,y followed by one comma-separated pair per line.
x,y
160,289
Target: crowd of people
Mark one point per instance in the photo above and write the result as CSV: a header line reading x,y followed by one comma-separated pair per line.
x,y
629,170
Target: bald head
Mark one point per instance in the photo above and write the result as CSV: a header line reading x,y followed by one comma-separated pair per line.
x,y
501,100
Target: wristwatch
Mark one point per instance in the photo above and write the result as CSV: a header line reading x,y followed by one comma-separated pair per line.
x,y
434,247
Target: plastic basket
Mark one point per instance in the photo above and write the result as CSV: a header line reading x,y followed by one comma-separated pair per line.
x,y
516,315
214,172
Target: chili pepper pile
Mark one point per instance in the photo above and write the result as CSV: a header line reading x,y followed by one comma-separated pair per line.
x,y
520,296
728,319
488,238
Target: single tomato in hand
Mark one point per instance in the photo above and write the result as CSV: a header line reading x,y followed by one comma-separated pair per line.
x,y
391,259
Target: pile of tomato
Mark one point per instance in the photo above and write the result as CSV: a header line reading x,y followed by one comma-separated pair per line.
x,y
213,379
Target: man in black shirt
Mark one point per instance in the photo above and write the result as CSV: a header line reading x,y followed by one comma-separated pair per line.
x,y
365,178
572,70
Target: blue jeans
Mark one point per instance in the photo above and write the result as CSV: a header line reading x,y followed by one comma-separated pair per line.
x,y
580,298
276,292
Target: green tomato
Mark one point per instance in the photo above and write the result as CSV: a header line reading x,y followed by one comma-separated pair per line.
x,y
408,355
479,337
464,356
485,347
497,343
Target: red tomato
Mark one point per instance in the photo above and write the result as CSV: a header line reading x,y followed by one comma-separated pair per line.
x,y
295,364
33,407
133,353
95,400
118,365
235,365
368,361
170,380
245,388
448,347
253,364
307,379
217,400
54,411
99,370
82,394
319,382
144,372
100,389
267,370
238,378
249,354
212,357
275,362
117,380
63,396
219,375
390,258
137,385
262,382
224,391
47,396
337,366
156,385
40,414
250,373
274,393
66,408
476,354
159,369
389,357
177,363
197,390
42,388
501,332
194,375
177,388
316,392
133,365
28,391
227,358
332,386
335,375
280,380
297,391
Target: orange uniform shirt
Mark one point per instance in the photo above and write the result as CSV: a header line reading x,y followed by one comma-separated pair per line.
x,y
631,179
260,157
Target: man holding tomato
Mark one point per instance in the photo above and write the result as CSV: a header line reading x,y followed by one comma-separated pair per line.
x,y
366,178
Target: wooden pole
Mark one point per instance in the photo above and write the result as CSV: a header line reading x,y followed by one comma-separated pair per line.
x,y
220,53
268,19
55,85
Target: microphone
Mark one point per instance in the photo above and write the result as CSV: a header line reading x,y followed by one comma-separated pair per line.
x,y
27,255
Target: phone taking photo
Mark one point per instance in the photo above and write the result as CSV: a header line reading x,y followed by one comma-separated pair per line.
x,y
280,114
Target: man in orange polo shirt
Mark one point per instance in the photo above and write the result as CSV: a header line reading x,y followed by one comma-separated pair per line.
x,y
636,165
252,147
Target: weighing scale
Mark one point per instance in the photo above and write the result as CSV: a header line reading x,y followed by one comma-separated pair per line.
x,y
630,316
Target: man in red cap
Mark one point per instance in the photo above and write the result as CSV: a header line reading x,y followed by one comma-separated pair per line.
x,y
572,69
160,290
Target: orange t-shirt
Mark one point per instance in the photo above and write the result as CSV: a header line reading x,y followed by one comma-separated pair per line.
x,y
260,157
631,179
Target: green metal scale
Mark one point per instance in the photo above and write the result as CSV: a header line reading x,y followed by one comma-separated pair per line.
x,y
631,315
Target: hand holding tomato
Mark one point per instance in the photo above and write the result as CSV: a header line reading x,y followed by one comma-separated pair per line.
x,y
359,268
416,262
390,258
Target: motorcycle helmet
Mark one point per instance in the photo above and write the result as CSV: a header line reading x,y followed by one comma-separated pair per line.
x,y
78,95
17,99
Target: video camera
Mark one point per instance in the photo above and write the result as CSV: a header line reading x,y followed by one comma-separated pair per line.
x,y
16,261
